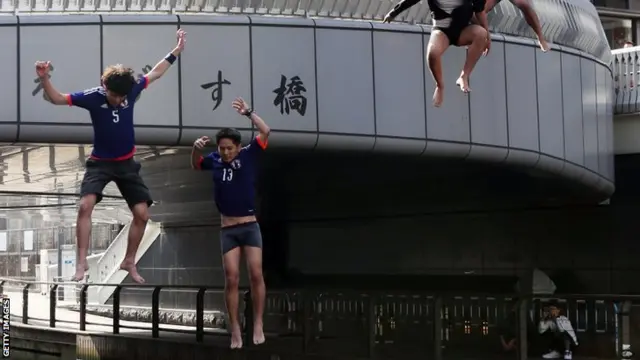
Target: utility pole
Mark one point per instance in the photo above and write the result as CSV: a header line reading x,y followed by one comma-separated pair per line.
x,y
59,233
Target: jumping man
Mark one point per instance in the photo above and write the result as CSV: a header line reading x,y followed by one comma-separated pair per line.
x,y
452,26
234,171
111,109
529,13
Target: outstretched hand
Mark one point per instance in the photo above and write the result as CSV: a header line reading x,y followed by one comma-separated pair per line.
x,y
240,105
43,68
200,143
181,34
387,19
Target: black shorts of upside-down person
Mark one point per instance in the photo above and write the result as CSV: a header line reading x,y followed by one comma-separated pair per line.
x,y
459,19
450,23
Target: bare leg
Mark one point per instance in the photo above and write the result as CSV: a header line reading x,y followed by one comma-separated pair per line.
x,y
532,19
83,232
475,37
438,44
254,263
231,263
136,231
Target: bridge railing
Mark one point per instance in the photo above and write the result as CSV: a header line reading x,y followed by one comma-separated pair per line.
x,y
625,66
350,9
571,23
24,292
371,324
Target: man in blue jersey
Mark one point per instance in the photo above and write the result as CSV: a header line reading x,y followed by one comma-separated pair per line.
x,y
111,109
234,169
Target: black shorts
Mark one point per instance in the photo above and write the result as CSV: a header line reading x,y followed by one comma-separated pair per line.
x,y
126,175
460,19
452,33
241,235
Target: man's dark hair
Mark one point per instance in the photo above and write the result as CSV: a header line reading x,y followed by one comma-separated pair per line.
x,y
118,79
228,133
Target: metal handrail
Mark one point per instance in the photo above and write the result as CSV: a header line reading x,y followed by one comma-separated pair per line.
x,y
625,67
352,9
155,303
572,23
308,312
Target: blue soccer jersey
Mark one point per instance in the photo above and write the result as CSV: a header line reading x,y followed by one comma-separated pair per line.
x,y
113,132
234,188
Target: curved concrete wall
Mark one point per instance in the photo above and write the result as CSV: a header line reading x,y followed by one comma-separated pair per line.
x,y
572,23
364,87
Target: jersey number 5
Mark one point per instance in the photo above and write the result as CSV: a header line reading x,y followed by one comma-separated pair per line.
x,y
227,174
116,117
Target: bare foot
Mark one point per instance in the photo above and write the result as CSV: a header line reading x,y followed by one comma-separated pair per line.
x,y
543,45
463,83
80,272
133,271
236,337
438,96
258,334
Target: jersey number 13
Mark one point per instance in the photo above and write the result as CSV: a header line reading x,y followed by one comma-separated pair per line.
x,y
227,174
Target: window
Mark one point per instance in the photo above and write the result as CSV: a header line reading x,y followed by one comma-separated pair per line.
x,y
616,4
618,31
3,241
27,241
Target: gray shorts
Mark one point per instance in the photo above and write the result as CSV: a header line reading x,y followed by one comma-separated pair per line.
x,y
126,175
241,235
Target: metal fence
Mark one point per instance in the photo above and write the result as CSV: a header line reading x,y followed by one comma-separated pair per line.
x,y
345,323
626,74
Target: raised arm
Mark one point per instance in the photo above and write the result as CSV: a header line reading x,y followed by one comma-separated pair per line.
x,y
398,9
243,108
51,94
198,161
164,64
86,99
